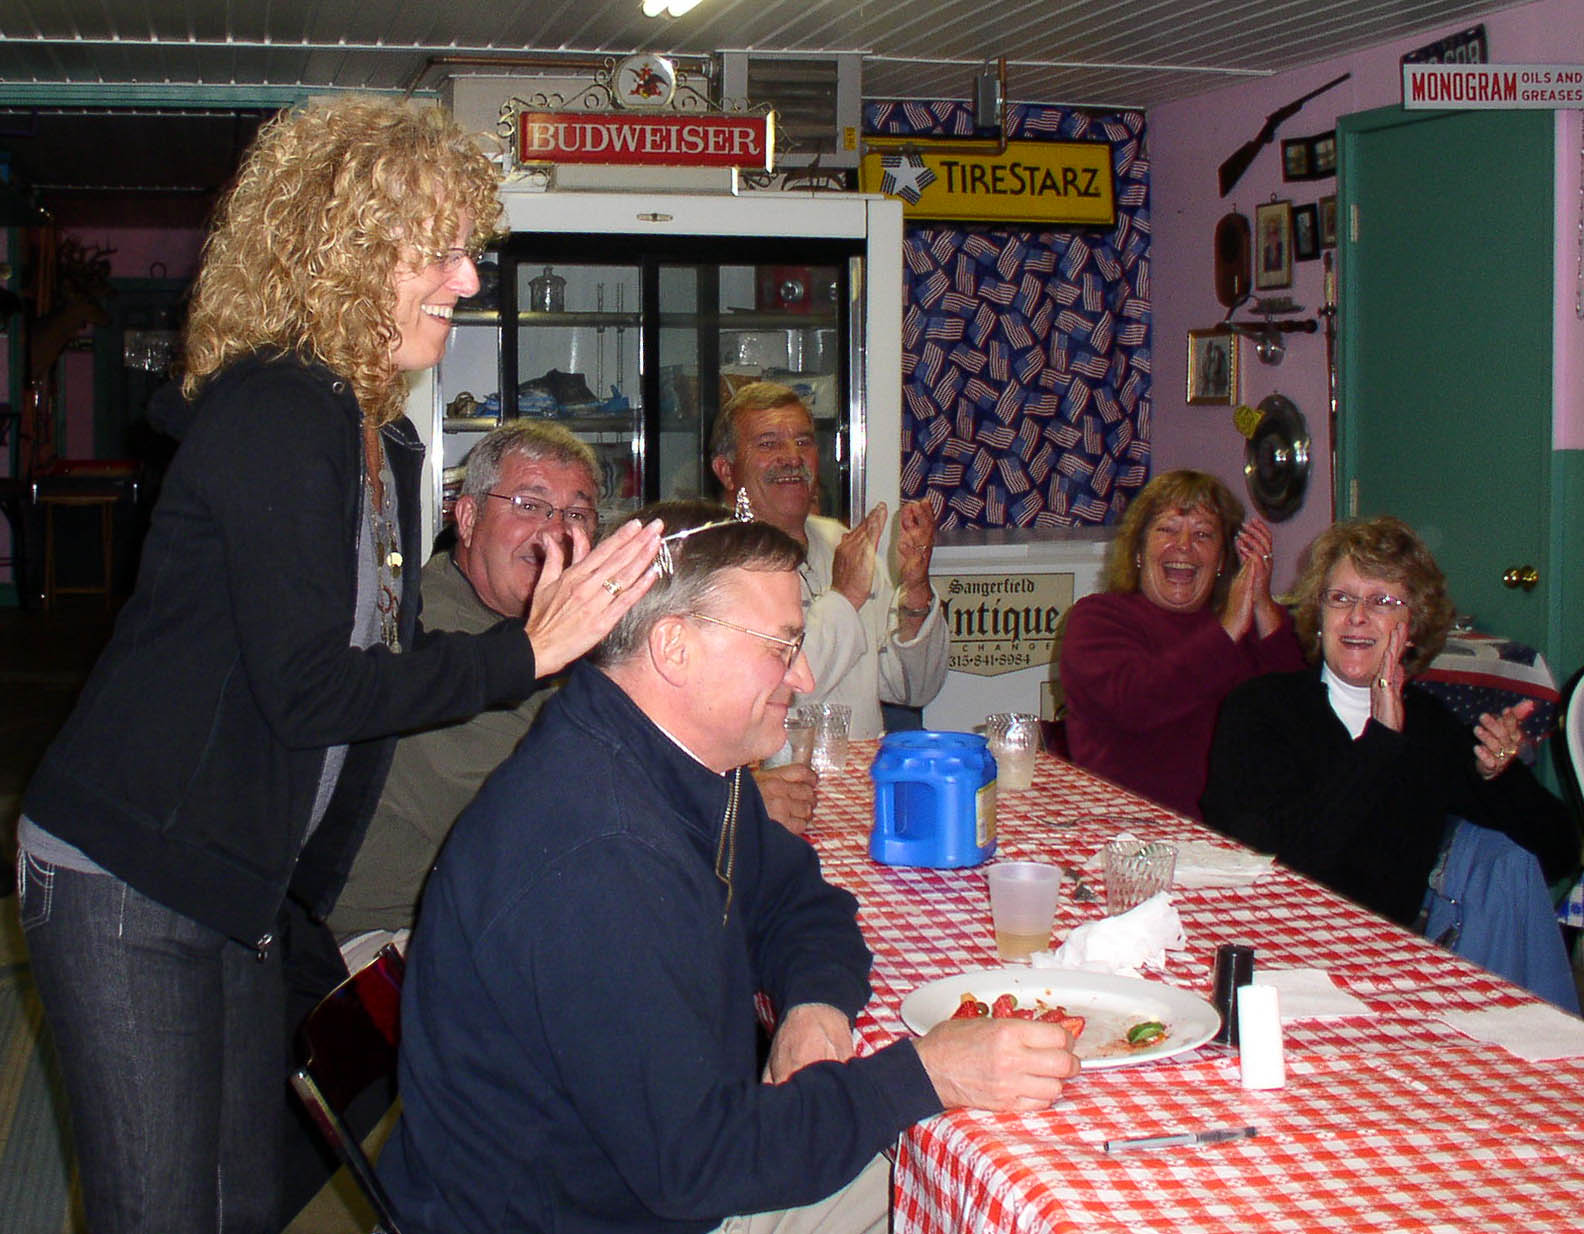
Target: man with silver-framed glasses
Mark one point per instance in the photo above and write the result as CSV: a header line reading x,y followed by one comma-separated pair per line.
x,y
527,484
579,1028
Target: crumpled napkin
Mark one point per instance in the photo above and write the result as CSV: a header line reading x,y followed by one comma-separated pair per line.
x,y
1310,994
1536,1031
1124,944
1203,864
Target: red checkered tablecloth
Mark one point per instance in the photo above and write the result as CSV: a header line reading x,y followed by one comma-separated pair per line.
x,y
1387,1123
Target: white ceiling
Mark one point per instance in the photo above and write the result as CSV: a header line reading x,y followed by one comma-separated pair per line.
x,y
1113,53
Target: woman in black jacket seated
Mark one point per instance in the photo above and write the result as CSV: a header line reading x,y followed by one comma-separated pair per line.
x,y
1346,776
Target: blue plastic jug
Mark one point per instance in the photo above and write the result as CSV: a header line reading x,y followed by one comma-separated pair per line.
x,y
934,800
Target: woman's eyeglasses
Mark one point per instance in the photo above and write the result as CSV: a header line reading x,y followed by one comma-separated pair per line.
x,y
450,260
543,511
1338,599
789,646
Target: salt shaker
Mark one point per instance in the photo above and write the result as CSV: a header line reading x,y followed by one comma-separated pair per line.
x,y
1234,967
1261,1060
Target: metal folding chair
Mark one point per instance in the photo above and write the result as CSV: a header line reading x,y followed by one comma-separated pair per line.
x,y
348,1043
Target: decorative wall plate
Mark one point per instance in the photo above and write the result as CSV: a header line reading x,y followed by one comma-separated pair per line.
x,y
1276,459
644,81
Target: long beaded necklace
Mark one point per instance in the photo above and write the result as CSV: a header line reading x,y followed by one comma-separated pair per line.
x,y
385,538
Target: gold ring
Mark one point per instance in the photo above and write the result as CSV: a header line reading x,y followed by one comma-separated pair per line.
x,y
612,586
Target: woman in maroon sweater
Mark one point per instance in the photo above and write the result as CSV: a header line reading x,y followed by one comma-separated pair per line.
x,y
1146,663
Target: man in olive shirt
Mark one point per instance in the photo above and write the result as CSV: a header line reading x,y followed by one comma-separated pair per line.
x,y
527,485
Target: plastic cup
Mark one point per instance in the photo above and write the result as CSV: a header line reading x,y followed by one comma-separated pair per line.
x,y
1135,870
830,735
1014,738
1023,897
801,725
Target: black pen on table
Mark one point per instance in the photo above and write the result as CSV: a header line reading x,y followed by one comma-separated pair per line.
x,y
1218,1136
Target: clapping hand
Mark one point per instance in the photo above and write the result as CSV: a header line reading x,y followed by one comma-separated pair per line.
x,y
1255,548
1500,738
1386,687
853,564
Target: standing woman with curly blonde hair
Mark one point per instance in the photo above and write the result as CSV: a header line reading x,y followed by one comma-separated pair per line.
x,y
228,749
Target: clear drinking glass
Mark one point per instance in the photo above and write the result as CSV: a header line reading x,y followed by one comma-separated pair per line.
x,y
1014,738
1135,870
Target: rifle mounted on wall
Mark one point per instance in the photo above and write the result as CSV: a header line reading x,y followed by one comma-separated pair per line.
x,y
1232,170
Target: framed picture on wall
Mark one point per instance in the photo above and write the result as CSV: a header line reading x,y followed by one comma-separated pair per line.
x,y
1306,232
1322,155
1296,164
1328,222
1212,366
1273,243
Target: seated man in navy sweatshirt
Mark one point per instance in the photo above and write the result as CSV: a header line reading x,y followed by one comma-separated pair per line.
x,y
579,1029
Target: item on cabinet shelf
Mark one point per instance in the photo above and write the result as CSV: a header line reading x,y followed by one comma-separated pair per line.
x,y
617,402
679,394
488,294
818,391
786,289
621,333
756,349
813,350
1276,459
547,293
466,412
555,394
599,339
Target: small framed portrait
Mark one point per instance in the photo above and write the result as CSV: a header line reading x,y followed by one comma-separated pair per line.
x,y
1212,366
1322,155
1273,244
1296,163
1328,222
1306,232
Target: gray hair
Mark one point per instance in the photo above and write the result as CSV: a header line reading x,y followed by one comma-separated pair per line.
x,y
755,396
697,564
537,441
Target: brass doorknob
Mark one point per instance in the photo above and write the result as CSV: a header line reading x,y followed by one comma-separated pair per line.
x,y
1521,576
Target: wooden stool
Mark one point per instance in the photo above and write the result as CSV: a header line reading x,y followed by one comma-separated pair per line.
x,y
106,501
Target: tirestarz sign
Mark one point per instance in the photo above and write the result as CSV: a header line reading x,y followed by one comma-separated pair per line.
x,y
646,140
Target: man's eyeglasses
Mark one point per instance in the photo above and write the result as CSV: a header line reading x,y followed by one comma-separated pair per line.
x,y
543,511
450,260
790,647
1338,599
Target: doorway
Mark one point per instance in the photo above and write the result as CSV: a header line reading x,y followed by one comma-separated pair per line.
x,y
1445,358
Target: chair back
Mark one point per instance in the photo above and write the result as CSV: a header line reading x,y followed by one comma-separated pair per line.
x,y
348,1043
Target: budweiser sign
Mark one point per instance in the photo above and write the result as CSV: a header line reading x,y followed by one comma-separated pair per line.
x,y
676,140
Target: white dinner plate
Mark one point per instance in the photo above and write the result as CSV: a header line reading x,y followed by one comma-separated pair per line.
x,y
1110,1006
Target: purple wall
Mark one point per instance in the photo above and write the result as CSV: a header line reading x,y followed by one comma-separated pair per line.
x,y
1189,140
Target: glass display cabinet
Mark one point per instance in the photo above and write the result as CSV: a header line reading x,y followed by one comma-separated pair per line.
x,y
633,340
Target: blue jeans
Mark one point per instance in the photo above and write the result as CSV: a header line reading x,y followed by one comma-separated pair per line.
x,y
169,1036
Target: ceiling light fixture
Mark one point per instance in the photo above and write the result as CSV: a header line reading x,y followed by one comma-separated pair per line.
x,y
667,8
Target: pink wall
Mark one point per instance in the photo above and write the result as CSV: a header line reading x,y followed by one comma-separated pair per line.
x,y
1189,140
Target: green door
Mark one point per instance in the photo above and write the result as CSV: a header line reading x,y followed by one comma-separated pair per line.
x,y
1445,347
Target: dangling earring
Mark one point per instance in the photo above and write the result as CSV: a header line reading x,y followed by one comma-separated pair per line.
x,y
743,511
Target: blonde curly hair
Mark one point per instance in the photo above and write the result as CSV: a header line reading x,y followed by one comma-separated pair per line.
x,y
332,198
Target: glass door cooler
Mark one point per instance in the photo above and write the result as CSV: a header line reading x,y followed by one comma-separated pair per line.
x,y
633,338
